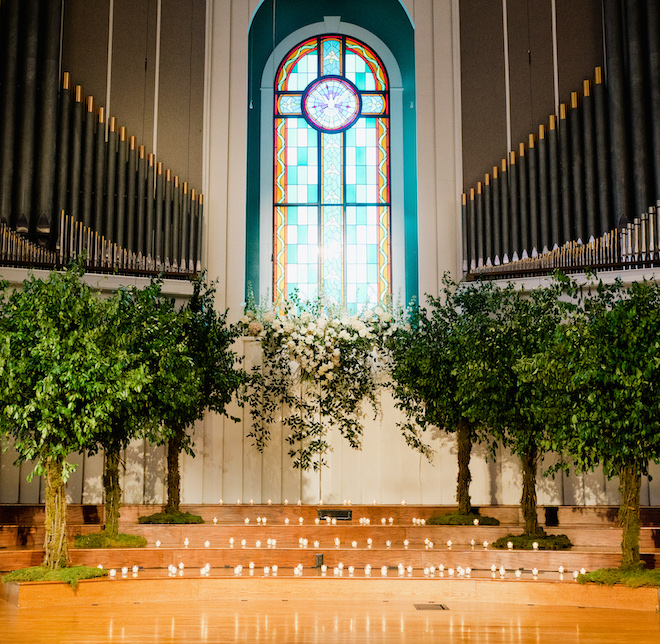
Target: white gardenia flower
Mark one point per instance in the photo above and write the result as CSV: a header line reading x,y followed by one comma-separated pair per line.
x,y
387,317
379,311
269,316
288,327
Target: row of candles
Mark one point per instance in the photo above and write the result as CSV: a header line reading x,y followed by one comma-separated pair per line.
x,y
331,521
286,502
303,543
338,570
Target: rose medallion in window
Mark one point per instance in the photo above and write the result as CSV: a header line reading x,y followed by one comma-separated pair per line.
x,y
331,104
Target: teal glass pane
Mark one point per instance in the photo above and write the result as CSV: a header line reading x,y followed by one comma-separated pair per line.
x,y
362,161
358,72
331,57
362,256
301,158
302,255
304,72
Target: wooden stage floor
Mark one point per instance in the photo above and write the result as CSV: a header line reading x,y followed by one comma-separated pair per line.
x,y
285,621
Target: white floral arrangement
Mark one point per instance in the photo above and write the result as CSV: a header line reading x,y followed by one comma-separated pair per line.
x,y
320,367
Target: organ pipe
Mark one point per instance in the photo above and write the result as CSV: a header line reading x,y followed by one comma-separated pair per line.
x,y
9,49
554,181
565,175
574,122
523,201
532,183
497,218
507,251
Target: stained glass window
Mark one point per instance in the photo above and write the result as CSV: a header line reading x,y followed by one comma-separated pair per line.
x,y
332,174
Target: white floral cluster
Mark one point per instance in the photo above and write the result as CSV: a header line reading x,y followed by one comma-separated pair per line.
x,y
318,344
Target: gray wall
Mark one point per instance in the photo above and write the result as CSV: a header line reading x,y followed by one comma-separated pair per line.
x,y
133,65
579,47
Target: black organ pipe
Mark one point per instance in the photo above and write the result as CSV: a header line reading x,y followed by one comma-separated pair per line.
x,y
62,170
77,115
9,50
472,227
544,190
497,217
193,230
479,214
507,251
111,178
158,252
141,196
88,164
149,209
533,184
131,194
176,210
22,198
523,203
577,174
488,220
185,227
48,68
653,41
99,172
554,182
638,117
590,197
122,159
200,230
565,175
604,183
514,210
615,59
466,231
167,253
64,134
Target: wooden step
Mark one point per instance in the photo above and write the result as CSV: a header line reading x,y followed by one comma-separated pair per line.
x,y
419,558
314,587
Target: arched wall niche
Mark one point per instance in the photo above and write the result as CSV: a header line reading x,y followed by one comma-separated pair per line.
x,y
276,27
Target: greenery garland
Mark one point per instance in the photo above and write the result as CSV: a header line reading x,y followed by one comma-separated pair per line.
x,y
319,366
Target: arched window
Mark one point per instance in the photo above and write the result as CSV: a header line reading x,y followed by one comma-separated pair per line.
x,y
331,185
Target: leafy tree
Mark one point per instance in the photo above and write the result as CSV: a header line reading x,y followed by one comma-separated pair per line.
x,y
513,325
141,323
59,384
601,384
198,372
426,357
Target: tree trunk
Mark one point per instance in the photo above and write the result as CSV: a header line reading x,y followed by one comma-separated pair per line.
x,y
528,502
112,491
55,545
630,482
464,440
173,475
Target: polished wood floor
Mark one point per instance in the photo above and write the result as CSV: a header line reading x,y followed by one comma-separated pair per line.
x,y
308,622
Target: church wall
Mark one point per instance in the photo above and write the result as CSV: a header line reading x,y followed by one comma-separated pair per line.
x,y
226,465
